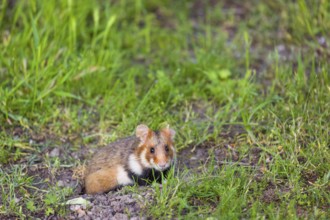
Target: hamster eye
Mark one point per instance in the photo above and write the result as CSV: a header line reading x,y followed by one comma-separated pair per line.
x,y
166,148
152,150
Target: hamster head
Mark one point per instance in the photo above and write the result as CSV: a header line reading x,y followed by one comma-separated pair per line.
x,y
156,148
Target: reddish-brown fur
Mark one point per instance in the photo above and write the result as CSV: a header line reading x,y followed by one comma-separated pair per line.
x,y
101,181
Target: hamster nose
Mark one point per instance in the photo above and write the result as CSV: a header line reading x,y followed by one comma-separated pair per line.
x,y
162,165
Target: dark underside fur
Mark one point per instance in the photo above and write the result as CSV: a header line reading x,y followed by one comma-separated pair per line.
x,y
148,176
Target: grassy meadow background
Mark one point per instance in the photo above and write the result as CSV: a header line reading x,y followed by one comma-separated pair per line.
x,y
84,73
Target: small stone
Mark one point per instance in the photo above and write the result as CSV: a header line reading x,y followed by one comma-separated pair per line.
x,y
120,216
55,152
81,213
60,183
86,217
280,48
33,168
17,200
322,40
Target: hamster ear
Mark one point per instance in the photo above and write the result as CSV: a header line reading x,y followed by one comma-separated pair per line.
x,y
142,131
169,132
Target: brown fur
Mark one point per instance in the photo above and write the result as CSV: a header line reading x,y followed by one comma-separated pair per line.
x,y
101,181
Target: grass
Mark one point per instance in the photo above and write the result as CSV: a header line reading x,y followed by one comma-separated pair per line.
x,y
83,73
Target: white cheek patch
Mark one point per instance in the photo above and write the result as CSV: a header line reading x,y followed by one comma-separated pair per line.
x,y
134,165
143,159
122,176
152,162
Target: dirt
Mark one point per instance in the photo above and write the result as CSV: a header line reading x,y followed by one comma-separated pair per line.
x,y
309,177
273,193
114,205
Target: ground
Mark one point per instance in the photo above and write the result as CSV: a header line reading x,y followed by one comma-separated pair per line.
x,y
245,85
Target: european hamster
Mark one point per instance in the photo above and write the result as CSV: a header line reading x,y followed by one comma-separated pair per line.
x,y
138,158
